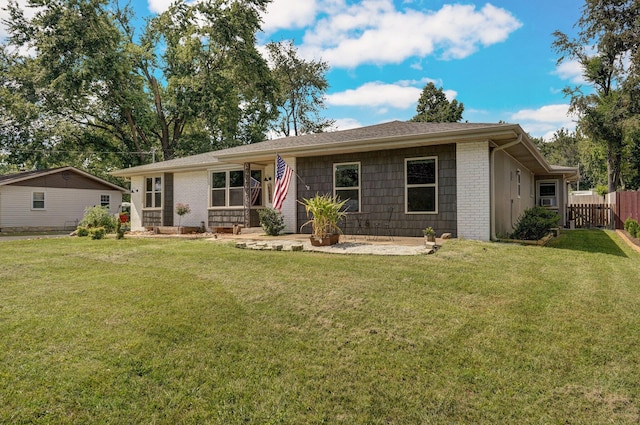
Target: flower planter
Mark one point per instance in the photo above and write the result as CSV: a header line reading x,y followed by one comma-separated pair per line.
x,y
326,241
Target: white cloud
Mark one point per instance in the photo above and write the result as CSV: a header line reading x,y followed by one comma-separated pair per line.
x,y
549,113
346,124
288,14
570,70
374,31
377,94
159,6
546,120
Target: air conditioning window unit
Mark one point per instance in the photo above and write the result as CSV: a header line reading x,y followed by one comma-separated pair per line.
x,y
548,202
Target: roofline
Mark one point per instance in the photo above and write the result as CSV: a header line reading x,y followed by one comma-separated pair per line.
x,y
496,135
61,169
357,145
374,143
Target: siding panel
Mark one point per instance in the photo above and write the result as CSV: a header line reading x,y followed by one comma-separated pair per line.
x,y
382,186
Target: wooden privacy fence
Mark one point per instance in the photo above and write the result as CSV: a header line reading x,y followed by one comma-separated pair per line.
x,y
590,215
627,205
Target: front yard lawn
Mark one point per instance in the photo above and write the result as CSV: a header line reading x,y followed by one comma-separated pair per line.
x,y
173,331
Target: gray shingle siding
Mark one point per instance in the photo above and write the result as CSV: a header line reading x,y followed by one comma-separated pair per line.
x,y
382,186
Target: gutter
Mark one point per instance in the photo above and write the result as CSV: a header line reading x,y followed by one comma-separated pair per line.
x,y
492,201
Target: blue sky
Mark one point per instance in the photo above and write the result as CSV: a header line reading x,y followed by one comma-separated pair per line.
x,y
495,57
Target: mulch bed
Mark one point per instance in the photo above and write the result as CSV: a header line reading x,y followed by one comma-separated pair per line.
x,y
633,240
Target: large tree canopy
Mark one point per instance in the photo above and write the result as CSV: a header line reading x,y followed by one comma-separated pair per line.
x,y
301,86
606,47
190,82
433,106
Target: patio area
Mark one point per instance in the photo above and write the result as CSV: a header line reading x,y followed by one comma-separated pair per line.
x,y
255,238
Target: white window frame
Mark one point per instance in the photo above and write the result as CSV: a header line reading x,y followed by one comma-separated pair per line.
x,y
34,200
518,182
358,188
540,202
408,186
227,189
153,192
108,200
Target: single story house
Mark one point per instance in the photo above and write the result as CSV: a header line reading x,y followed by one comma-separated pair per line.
x,y
54,199
471,180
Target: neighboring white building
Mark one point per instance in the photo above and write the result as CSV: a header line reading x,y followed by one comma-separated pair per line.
x,y
53,199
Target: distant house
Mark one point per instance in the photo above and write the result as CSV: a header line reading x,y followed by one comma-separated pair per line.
x,y
471,180
53,199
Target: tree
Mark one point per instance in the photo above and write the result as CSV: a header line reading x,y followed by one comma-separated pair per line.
x,y
192,81
433,106
301,86
607,115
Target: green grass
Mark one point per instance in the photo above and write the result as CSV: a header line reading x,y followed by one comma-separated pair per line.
x,y
172,331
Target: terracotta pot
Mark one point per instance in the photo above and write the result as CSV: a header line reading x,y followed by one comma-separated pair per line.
x,y
329,240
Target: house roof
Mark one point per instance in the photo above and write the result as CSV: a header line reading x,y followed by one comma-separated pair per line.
x,y
22,176
391,135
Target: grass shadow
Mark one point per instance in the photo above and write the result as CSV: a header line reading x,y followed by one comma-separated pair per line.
x,y
596,241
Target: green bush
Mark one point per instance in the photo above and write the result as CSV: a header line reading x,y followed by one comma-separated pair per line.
x,y
119,230
272,221
631,226
98,217
82,231
535,224
97,232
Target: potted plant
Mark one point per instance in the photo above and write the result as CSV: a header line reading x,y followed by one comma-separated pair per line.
x,y
182,209
429,234
325,212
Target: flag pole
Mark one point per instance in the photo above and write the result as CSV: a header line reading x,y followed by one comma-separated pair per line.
x,y
297,175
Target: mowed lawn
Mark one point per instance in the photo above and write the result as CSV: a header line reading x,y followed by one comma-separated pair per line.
x,y
164,331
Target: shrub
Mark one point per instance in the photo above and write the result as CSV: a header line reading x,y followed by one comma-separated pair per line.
x,y
119,230
535,224
82,231
98,217
631,226
97,232
272,221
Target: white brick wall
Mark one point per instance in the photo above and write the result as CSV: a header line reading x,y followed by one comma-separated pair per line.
x,y
137,196
191,188
473,191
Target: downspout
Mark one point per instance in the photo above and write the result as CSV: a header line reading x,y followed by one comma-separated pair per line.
x,y
492,200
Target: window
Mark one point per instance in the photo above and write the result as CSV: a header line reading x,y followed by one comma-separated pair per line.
x,y
153,192
105,200
518,181
421,185
227,188
346,184
548,193
37,200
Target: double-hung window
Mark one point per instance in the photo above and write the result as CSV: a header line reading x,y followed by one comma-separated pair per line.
x,y
105,200
37,200
346,184
153,192
421,185
227,188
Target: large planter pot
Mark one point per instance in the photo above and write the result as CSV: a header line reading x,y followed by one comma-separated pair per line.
x,y
329,240
430,238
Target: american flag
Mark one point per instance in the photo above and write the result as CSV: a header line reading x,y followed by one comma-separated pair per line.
x,y
255,190
283,178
